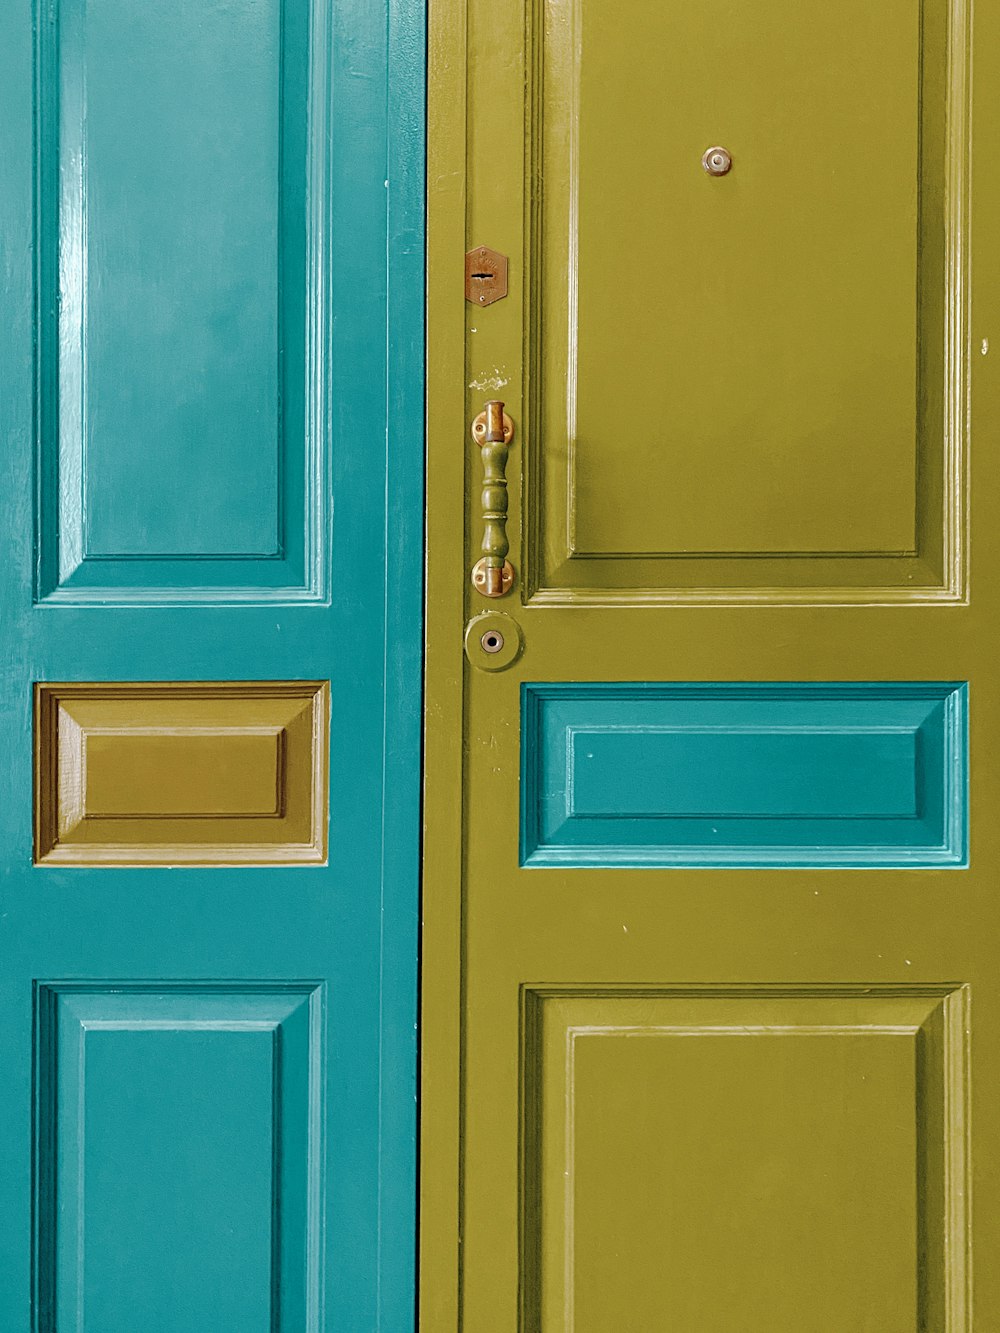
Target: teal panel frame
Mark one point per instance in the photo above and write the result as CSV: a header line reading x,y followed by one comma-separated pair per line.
x,y
772,774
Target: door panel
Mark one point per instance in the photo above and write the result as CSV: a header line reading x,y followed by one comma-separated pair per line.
x,y
818,1106
788,341
183,139
211,221
213,773
223,1217
744,775
713,1018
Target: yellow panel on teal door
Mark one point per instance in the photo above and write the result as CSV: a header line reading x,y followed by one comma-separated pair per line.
x,y
213,773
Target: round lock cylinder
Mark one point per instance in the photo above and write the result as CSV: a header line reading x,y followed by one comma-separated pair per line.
x,y
493,641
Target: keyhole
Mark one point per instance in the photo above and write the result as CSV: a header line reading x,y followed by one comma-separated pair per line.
x,y
482,277
492,641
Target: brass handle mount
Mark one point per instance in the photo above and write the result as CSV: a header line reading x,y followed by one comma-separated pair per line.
x,y
493,430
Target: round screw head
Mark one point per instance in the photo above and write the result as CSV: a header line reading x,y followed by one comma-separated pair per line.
x,y
717,161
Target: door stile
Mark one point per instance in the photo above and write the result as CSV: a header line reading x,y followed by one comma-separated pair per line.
x,y
403,670
441,901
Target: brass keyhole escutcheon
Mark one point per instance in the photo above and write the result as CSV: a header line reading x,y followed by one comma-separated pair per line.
x,y
717,161
485,275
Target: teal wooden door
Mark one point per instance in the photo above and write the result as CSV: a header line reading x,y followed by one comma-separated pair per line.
x,y
210,590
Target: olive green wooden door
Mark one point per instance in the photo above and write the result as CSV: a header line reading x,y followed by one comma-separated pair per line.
x,y
712,888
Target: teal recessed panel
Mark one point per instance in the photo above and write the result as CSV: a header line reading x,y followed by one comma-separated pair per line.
x,y
648,774
179,1154
183,427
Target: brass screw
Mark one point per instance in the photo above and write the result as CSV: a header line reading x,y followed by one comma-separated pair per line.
x,y
717,161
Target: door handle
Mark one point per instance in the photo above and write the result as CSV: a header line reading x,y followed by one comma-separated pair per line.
x,y
493,430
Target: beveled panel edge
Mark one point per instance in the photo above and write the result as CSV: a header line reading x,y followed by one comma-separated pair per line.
x,y
51,569
48,851
952,588
653,597
185,855
953,853
131,596
46,995
954,1005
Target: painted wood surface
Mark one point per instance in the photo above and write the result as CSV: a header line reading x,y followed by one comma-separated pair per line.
x,y
791,424
744,775
808,1098
213,773
753,422
233,1181
211,220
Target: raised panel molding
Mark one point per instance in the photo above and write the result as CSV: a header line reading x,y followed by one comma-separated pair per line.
x,y
792,774
182,302
678,1142
629,498
178,1154
203,773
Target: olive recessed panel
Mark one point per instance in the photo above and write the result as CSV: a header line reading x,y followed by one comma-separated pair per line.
x,y
680,1144
166,773
182,314
744,774
751,386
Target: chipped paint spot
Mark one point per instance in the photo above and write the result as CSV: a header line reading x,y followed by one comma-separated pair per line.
x,y
490,382
985,347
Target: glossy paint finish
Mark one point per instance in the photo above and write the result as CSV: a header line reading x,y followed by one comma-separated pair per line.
x,y
744,775
212,396
232,1183
229,381
700,1096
